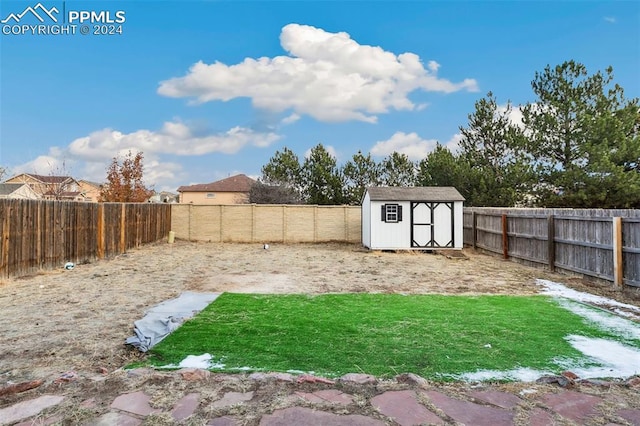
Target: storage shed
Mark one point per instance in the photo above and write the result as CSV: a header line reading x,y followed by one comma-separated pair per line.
x,y
416,218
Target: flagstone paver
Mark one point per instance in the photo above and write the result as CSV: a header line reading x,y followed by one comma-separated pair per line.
x,y
362,379
30,408
404,408
572,405
469,412
222,421
499,399
539,417
232,398
631,415
185,407
117,419
135,402
307,416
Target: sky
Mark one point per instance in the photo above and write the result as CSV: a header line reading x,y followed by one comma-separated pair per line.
x,y
210,89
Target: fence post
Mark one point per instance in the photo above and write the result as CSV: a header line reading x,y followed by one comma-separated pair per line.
x,y
38,233
618,265
253,223
315,223
505,238
474,228
551,243
100,233
189,213
346,223
123,224
284,223
5,237
221,210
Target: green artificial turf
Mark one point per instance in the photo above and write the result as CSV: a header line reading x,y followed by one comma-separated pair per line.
x,y
379,334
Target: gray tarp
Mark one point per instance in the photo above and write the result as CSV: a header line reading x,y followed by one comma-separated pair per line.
x,y
162,319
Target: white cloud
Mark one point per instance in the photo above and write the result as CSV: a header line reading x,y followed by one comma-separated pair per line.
x,y
514,115
89,156
410,144
328,76
610,19
453,144
291,118
46,165
174,138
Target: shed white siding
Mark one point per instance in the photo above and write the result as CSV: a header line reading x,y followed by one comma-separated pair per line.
x,y
389,236
431,218
458,225
366,220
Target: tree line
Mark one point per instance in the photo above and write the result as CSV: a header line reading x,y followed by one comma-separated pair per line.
x,y
577,145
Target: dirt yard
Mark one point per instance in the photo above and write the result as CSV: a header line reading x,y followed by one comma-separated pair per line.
x,y
77,320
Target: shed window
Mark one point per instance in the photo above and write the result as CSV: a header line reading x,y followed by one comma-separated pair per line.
x,y
391,213
211,195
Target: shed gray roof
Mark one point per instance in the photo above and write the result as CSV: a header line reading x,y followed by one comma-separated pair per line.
x,y
415,193
9,188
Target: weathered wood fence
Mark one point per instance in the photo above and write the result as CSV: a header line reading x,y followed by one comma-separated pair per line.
x,y
264,223
599,243
40,235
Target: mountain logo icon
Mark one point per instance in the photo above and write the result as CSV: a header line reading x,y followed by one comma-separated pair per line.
x,y
38,11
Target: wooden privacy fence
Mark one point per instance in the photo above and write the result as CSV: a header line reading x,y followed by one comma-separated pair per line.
x,y
46,234
264,223
599,243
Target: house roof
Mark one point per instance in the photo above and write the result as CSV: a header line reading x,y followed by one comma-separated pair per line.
x,y
10,188
237,183
88,182
48,179
415,193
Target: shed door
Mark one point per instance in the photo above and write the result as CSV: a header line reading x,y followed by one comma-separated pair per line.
x,y
431,224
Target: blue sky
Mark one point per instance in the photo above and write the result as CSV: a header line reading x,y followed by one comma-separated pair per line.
x,y
209,89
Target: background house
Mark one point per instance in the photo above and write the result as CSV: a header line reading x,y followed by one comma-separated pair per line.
x,y
232,190
90,190
164,197
64,188
415,218
17,190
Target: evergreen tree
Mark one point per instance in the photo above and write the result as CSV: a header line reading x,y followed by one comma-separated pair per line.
x,y
360,172
493,159
584,138
285,172
398,170
322,181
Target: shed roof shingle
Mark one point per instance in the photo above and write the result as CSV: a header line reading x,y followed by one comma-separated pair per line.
x,y
416,193
237,183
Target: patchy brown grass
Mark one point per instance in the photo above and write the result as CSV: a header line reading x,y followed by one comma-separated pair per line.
x,y
77,320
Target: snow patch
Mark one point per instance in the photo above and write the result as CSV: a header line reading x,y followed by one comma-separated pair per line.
x,y
518,374
615,359
602,358
196,361
204,361
605,321
555,289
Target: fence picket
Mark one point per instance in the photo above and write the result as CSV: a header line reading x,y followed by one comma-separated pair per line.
x,y
579,241
38,234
